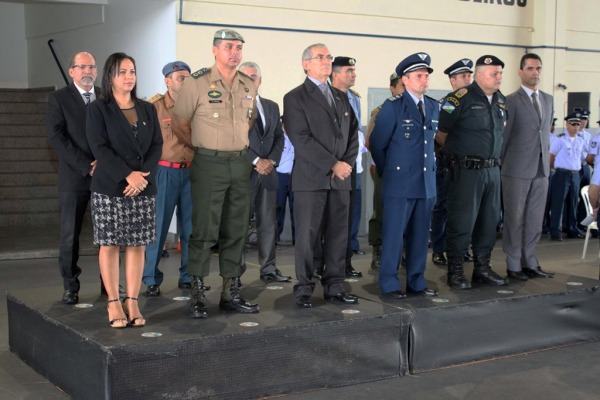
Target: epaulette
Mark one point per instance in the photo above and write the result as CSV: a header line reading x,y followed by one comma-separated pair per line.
x,y
461,92
580,135
396,97
354,92
155,98
560,134
501,98
442,100
431,98
200,72
246,75
376,110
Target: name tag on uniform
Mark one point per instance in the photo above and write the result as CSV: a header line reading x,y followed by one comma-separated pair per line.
x,y
215,101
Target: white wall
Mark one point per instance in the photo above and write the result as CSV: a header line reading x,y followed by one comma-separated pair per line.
x,y
13,45
144,29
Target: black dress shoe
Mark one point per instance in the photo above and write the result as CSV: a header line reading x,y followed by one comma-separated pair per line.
x,y
304,302
240,305
396,294
439,259
425,292
153,291
343,297
518,275
538,272
275,277
359,252
352,273
557,238
70,297
575,235
487,275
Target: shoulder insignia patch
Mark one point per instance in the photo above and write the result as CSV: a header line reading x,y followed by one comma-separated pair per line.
x,y
452,100
155,98
376,110
593,144
448,107
354,92
561,134
200,72
460,93
396,97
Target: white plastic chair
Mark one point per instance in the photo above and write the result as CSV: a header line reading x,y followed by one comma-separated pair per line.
x,y
593,225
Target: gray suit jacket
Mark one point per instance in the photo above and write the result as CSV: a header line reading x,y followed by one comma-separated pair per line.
x,y
524,137
320,135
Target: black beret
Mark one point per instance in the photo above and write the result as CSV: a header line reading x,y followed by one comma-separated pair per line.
x,y
344,62
414,62
463,65
489,60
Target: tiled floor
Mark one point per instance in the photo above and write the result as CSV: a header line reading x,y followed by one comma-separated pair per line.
x,y
569,372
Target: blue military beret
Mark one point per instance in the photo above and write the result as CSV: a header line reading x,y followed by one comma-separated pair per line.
x,y
573,117
463,65
343,62
228,34
413,63
489,60
175,66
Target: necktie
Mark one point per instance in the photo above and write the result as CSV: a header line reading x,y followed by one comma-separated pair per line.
x,y
327,93
87,96
536,106
420,107
261,127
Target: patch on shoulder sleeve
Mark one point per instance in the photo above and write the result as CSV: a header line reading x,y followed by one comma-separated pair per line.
x,y
354,92
461,93
200,72
448,107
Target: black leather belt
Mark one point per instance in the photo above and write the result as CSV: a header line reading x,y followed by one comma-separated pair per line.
x,y
477,163
566,171
225,154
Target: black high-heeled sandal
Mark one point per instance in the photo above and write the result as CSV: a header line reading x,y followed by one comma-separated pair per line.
x,y
113,322
133,322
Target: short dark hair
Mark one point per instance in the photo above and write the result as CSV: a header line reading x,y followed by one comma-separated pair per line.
x,y
529,56
111,69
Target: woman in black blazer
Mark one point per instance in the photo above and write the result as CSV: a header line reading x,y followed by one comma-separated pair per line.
x,y
124,135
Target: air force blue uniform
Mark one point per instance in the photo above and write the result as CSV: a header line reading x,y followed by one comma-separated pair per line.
x,y
402,148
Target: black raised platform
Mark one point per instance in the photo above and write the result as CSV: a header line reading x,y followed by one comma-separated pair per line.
x,y
291,349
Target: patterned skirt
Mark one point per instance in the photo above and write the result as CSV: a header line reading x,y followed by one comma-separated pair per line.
x,y
123,221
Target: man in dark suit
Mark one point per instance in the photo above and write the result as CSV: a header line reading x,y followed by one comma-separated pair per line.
x,y
65,125
264,151
323,129
525,170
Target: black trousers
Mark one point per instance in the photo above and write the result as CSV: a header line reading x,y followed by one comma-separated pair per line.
x,y
73,206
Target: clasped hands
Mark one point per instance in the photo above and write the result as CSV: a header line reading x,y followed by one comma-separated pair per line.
x,y
264,166
136,183
341,170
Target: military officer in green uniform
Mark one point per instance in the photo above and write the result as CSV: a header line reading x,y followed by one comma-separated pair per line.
x,y
471,127
213,114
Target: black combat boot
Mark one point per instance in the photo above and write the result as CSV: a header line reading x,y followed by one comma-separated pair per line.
x,y
456,274
483,272
231,300
376,261
197,307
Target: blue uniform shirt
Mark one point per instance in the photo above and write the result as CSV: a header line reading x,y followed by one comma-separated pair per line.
x,y
568,151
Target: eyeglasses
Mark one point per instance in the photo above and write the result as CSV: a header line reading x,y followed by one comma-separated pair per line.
x,y
574,123
321,57
84,66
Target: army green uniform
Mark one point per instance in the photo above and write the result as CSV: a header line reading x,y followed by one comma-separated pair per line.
x,y
220,118
475,129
